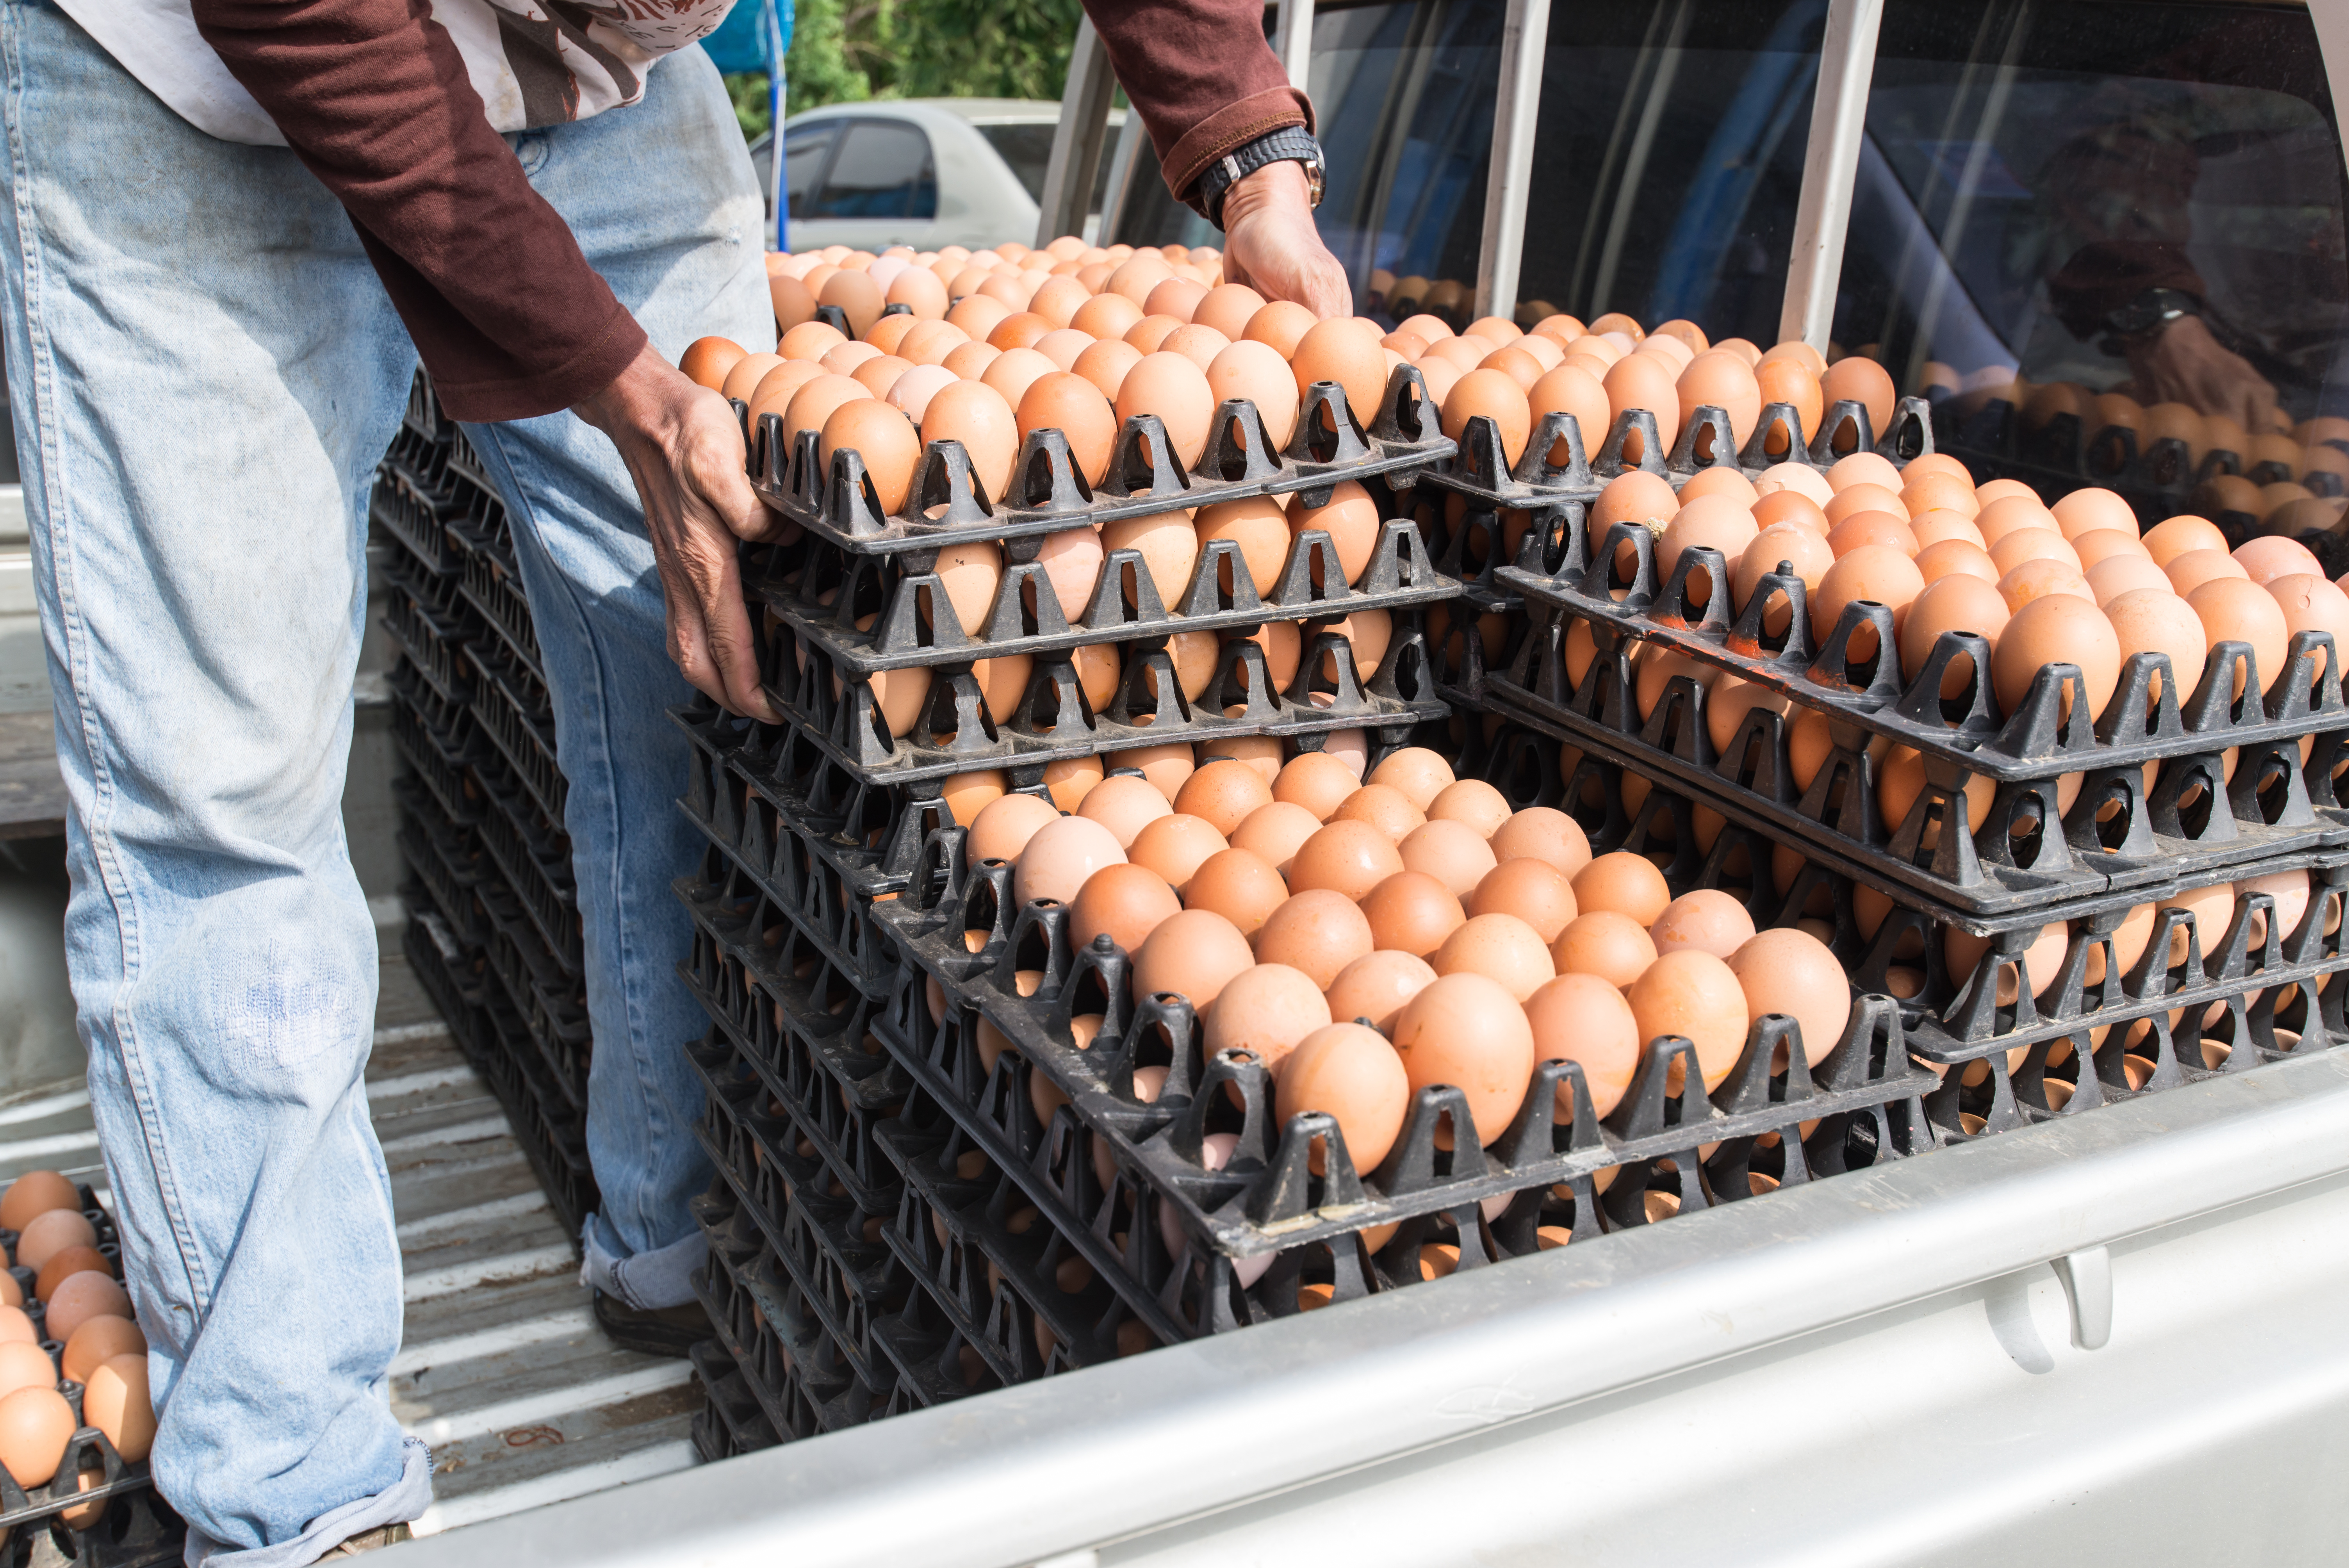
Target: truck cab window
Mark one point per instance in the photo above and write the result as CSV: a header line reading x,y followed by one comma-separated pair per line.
x,y
883,169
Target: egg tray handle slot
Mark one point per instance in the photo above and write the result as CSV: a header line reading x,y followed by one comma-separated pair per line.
x,y
1612,463
1706,441
1407,416
1845,417
1781,423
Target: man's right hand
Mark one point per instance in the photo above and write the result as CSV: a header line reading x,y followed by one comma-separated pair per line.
x,y
1271,244
684,450
2185,363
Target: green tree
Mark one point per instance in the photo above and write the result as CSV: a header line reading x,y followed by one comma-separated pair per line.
x,y
748,90
847,51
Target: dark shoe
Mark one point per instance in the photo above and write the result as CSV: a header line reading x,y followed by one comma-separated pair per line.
x,y
658,1331
369,1541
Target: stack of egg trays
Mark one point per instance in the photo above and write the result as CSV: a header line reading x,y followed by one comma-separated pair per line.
x,y
2157,479
862,562
803,1241
494,927
2118,832
1528,516
1096,1158
817,841
137,1529
2238,1004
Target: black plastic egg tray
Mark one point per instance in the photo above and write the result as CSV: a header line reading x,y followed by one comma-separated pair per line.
x,y
136,1529
946,504
441,753
2029,852
912,623
1269,1198
491,583
1481,468
1853,673
534,855
1054,720
2282,997
780,1377
514,710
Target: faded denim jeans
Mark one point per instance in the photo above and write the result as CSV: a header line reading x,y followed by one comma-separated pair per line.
x,y
205,371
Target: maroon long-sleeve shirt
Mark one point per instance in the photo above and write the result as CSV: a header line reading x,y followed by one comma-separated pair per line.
x,y
508,316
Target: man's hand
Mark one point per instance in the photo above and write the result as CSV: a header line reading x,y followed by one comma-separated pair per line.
x,y
1271,245
684,450
2186,365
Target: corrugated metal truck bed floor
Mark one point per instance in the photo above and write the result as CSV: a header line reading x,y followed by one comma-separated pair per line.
x,y
502,1370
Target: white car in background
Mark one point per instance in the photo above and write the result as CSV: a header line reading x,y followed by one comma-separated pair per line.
x,y
925,172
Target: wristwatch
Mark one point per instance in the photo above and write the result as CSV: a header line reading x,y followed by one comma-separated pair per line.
x,y
1291,143
2151,311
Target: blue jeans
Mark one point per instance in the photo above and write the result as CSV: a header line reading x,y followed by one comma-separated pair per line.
x,y
204,372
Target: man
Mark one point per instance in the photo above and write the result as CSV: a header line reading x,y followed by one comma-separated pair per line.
x,y
231,227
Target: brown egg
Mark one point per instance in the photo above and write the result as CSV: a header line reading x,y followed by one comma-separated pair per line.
x,y
2090,510
2118,574
1875,571
1197,343
2167,540
1633,496
1275,831
2310,603
2103,543
1238,884
24,1366
1260,527
117,1403
1411,912
1501,947
35,1424
1723,481
1625,883
1267,1010
1863,382
1922,493
1790,382
970,361
1722,379
1792,972
1790,508
1453,853
2058,630
1383,807
2037,579
1176,847
2265,559
1790,545
1959,601
2231,609
1169,547
1223,794
1106,364
1227,308
1255,373
1707,921
16,1328
1730,701
1419,774
918,290
1715,522
2190,570
1543,833
1345,856
51,1231
857,296
1571,389
1316,781
1124,805
706,360
1057,400
99,1340
2156,621
1347,353
1354,1076
1193,954
1061,855
1376,986
63,1264
1317,930
1696,996
1001,829
1861,529
1863,496
881,374
876,432
1466,1031
1580,1017
1472,803
975,414
1640,381
1494,394
1350,517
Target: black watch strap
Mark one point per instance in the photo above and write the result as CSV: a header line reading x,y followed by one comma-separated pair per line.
x,y
1290,142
